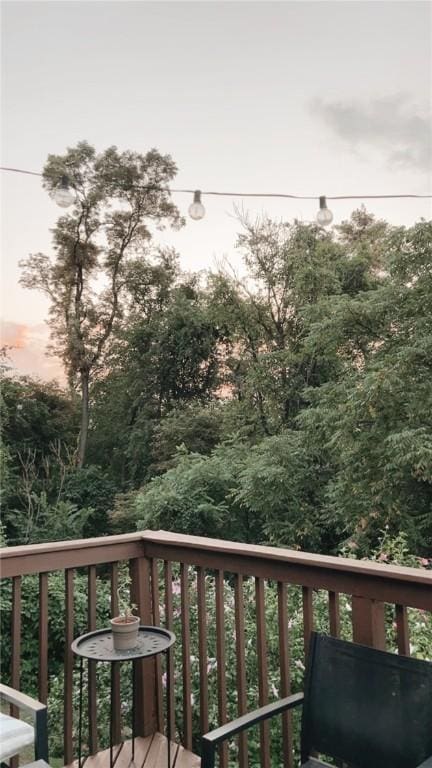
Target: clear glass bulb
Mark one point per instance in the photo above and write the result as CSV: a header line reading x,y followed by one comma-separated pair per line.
x,y
63,197
324,217
196,211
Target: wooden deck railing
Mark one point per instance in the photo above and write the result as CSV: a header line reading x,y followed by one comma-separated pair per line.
x,y
155,558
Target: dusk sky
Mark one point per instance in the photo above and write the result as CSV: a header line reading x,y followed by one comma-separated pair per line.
x,y
297,97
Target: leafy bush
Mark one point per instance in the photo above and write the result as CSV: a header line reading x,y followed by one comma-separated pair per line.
x,y
197,496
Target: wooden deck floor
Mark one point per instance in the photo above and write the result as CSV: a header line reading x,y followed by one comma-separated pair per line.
x,y
150,752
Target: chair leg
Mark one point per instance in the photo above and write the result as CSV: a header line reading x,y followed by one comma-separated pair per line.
x,y
41,735
207,754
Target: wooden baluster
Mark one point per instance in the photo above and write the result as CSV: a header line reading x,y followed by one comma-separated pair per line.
x,y
334,614
186,663
285,688
368,622
307,595
169,625
68,666
402,630
262,671
116,716
16,637
43,638
202,650
91,624
158,659
241,666
16,647
220,657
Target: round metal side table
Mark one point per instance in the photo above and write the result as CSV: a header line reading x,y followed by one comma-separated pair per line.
x,y
98,646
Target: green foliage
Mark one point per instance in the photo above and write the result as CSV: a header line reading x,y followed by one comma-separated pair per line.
x,y
56,622
197,496
373,420
196,427
327,356
167,358
38,441
35,417
275,485
91,488
290,406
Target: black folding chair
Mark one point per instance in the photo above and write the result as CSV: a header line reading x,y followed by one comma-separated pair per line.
x,y
363,707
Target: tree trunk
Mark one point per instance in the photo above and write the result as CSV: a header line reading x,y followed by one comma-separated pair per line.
x,y
82,444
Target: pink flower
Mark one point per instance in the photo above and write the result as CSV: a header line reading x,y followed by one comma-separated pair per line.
x,y
383,557
164,679
424,561
176,588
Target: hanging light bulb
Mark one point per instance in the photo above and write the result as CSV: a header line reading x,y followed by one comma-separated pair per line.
x,y
324,217
63,195
197,210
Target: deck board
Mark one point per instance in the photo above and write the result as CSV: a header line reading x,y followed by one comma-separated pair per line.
x,y
186,759
150,752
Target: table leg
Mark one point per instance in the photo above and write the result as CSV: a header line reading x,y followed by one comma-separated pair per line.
x,y
134,674
80,711
168,700
111,715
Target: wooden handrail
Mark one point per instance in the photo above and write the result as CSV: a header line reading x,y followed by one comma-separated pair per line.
x,y
76,553
361,578
279,554
389,583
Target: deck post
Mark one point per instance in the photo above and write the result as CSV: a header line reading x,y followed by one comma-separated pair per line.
x,y
145,678
368,622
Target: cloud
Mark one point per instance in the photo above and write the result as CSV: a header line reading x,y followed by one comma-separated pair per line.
x,y
27,351
390,125
13,334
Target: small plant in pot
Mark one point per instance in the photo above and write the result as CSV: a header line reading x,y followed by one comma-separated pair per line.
x,y
125,626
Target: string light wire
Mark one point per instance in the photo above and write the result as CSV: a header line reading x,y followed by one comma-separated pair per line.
x,y
64,196
258,194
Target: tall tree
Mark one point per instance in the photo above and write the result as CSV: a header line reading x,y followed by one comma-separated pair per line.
x,y
166,357
290,268
119,195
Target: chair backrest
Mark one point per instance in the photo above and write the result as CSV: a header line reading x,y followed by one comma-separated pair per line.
x,y
368,708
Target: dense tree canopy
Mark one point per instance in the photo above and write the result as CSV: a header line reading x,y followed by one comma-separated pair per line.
x,y
291,406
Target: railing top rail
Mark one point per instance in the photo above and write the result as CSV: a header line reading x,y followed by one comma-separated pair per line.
x,y
74,553
57,546
58,555
289,556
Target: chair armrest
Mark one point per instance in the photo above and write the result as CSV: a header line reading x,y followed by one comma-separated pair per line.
x,y
426,763
39,712
20,699
211,740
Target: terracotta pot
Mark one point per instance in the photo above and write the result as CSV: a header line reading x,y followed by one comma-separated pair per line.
x,y
125,633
